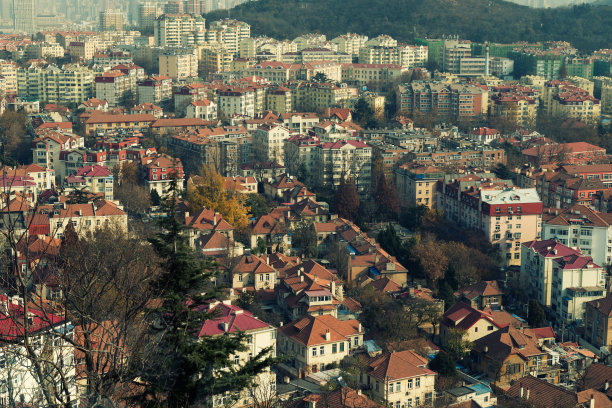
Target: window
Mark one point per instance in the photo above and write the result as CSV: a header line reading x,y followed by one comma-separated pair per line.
x,y
236,360
334,348
314,351
409,386
341,347
417,401
475,329
489,328
356,341
417,382
239,277
391,387
322,350
261,277
409,402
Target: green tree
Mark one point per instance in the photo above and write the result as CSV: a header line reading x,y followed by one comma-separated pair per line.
x,y
443,364
155,198
320,77
536,316
346,200
389,241
183,369
362,112
16,142
258,204
304,237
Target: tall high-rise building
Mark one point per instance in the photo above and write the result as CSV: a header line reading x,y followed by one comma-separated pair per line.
x,y
147,14
174,7
194,7
24,16
111,20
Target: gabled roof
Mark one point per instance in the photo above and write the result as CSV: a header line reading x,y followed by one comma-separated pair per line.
x,y
482,288
542,393
507,341
207,220
252,264
230,319
596,376
550,248
544,332
462,316
398,365
311,330
385,285
604,305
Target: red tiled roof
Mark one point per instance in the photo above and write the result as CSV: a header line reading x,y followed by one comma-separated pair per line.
x,y
311,330
398,365
236,319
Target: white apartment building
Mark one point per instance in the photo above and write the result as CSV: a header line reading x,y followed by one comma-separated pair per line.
x,y
70,84
203,109
113,87
406,56
299,122
561,278
452,52
506,215
8,70
581,227
350,43
178,65
351,158
155,89
237,102
315,342
269,143
175,30
576,281
228,32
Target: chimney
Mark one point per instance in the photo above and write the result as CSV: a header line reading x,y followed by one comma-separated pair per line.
x,y
215,219
332,287
301,278
592,401
186,214
527,394
521,392
327,335
606,385
486,349
281,324
360,328
359,391
225,326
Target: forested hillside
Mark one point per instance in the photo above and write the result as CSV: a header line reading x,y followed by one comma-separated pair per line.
x,y
586,27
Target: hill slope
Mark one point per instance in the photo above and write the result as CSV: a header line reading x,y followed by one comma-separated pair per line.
x,y
586,27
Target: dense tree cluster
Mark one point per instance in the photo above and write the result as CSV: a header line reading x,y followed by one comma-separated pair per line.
x,y
499,21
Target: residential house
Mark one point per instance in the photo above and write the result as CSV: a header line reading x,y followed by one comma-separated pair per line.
x,y
462,318
314,343
480,295
539,392
400,379
509,354
252,271
259,336
159,171
94,179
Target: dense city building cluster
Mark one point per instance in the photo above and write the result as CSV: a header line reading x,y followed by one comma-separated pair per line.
x,y
196,216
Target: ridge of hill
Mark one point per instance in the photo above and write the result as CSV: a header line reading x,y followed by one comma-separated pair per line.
x,y
587,27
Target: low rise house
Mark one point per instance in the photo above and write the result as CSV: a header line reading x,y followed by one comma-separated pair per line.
x,y
480,295
400,379
159,171
539,392
94,179
254,272
509,354
259,336
315,342
472,323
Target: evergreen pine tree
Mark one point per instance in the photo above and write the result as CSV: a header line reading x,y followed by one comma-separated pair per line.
x,y
186,370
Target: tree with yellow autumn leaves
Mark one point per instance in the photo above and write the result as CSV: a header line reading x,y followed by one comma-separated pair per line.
x,y
207,190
